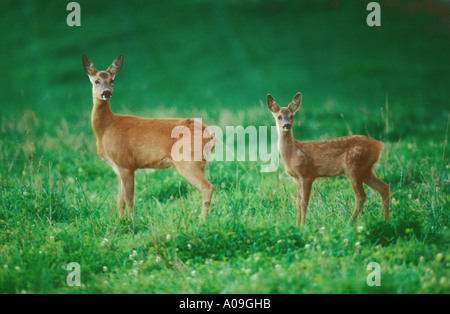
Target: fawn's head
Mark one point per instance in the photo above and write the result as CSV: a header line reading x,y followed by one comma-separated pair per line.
x,y
284,117
102,81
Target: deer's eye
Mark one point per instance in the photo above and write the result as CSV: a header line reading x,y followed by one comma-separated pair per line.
x,y
97,82
279,117
291,117
112,82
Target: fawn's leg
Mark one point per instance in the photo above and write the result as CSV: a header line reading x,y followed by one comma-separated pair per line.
x,y
382,188
194,172
360,196
121,199
305,188
127,187
299,200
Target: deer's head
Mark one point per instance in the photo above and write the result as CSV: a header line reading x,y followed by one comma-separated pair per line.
x,y
284,117
102,81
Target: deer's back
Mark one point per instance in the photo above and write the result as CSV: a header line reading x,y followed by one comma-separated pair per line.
x,y
332,157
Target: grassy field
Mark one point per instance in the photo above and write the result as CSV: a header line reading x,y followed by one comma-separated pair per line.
x,y
218,60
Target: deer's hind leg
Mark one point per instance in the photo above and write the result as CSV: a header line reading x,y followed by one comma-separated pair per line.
x,y
356,176
360,198
382,188
194,172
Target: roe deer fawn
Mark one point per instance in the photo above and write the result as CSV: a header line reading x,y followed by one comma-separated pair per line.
x,y
353,156
128,143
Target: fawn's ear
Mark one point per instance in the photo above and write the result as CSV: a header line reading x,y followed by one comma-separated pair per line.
x,y
114,68
89,66
295,103
272,104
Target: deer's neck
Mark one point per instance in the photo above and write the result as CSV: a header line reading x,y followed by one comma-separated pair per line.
x,y
101,117
286,143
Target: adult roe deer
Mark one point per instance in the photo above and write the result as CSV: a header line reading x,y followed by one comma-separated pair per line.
x,y
129,143
353,156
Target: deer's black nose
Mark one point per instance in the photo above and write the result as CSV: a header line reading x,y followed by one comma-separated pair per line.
x,y
287,126
106,93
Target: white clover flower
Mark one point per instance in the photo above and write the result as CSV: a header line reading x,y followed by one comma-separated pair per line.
x,y
193,273
307,246
5,266
360,229
52,238
345,241
168,237
189,246
357,244
105,268
158,259
439,256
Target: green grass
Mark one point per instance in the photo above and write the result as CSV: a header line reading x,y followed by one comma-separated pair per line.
x,y
217,60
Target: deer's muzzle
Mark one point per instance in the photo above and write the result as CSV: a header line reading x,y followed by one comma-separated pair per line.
x,y
106,94
287,126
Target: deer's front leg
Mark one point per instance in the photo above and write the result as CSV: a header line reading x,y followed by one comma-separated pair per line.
x,y
121,199
299,199
305,190
126,191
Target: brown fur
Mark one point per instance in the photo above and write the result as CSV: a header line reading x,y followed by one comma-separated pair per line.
x,y
352,156
129,143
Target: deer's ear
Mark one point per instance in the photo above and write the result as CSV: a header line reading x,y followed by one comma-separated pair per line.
x,y
272,104
295,103
89,66
114,68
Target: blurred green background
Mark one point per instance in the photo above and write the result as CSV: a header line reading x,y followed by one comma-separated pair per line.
x,y
217,60
198,57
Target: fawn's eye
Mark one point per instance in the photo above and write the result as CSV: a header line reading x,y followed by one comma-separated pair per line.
x,y
112,82
291,117
279,117
97,82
